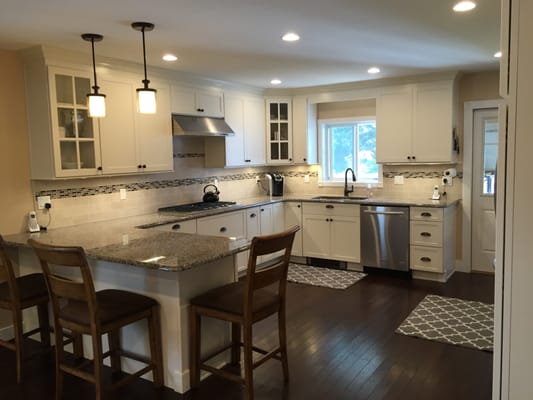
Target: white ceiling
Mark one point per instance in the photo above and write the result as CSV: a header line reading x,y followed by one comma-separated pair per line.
x,y
239,40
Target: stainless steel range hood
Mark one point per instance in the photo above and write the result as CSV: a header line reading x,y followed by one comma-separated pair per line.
x,y
188,125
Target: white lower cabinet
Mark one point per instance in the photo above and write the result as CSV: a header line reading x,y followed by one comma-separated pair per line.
x,y
331,231
293,216
432,241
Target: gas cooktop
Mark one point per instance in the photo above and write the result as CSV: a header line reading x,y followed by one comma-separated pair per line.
x,y
199,206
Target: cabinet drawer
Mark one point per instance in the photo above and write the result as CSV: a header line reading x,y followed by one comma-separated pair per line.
x,y
426,213
346,210
229,225
426,233
426,258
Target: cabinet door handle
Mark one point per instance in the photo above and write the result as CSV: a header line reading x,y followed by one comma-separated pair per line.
x,y
223,229
329,206
176,227
425,259
247,160
425,214
200,109
262,210
253,215
425,234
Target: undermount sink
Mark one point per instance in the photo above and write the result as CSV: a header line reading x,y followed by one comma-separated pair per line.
x,y
340,198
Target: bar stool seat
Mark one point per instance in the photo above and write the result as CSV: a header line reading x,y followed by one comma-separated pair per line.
x,y
17,294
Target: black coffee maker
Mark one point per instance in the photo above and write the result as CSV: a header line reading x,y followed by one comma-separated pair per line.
x,y
277,184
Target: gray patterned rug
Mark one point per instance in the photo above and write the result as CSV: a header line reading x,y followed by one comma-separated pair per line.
x,y
453,321
317,276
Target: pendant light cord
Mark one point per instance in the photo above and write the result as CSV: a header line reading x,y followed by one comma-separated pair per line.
x,y
145,81
95,87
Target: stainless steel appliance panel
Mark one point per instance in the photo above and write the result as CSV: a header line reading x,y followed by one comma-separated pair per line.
x,y
385,237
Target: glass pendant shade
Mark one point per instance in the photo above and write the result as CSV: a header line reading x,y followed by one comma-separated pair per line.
x,y
96,103
95,100
146,101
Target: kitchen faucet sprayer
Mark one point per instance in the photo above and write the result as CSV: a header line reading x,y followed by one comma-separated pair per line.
x,y
346,190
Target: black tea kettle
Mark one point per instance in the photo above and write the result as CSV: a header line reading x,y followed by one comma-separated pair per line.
x,y
210,196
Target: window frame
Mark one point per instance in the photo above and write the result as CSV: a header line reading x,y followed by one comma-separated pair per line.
x,y
325,156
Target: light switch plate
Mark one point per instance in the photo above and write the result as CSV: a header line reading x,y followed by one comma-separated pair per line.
x,y
398,180
123,194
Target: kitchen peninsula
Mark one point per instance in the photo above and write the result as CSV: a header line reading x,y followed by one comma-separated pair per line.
x,y
170,267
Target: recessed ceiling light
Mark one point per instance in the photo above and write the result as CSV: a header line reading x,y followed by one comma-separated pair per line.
x,y
498,54
291,37
374,70
170,57
275,81
463,6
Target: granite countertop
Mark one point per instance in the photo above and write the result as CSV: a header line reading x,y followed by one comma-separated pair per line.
x,y
119,241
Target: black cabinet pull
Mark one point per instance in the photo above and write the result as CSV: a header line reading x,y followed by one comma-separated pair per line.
x,y
290,159
247,160
139,166
176,227
425,259
425,234
414,158
253,215
262,209
426,214
305,159
99,168
299,206
200,109
223,229
329,206
144,165
408,157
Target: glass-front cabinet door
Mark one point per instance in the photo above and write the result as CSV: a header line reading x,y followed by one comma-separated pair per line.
x,y
279,131
76,145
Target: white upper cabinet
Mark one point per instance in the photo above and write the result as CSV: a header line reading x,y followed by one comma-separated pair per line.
x,y
279,130
244,114
195,101
304,131
134,142
415,123
63,138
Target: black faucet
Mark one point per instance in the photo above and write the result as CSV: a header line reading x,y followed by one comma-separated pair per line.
x,y
346,190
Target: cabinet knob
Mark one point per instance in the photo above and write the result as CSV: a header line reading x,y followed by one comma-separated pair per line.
x,y
139,166
299,206
99,168
253,215
425,234
290,159
414,158
408,157
305,159
176,227
262,209
223,229
425,259
144,165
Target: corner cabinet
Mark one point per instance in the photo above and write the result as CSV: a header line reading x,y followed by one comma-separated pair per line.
x,y
195,101
64,140
279,130
416,123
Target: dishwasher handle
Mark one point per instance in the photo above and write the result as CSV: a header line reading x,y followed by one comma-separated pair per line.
x,y
384,212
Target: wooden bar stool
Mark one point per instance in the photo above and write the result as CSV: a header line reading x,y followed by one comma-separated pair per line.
x,y
243,303
17,294
79,308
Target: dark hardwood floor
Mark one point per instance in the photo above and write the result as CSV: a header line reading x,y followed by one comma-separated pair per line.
x,y
342,345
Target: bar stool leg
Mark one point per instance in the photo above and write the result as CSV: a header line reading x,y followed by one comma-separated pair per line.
x,y
44,324
19,345
235,343
113,339
282,332
248,362
98,363
58,335
156,350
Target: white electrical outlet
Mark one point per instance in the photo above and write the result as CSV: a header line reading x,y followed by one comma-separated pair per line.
x,y
257,179
306,178
41,201
447,180
215,182
398,180
123,194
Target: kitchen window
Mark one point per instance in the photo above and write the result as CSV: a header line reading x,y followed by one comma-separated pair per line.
x,y
349,143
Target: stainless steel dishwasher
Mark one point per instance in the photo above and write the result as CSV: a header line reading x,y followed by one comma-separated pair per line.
x,y
385,237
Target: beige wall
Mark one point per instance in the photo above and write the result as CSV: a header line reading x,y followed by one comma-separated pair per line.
x,y
16,199
346,109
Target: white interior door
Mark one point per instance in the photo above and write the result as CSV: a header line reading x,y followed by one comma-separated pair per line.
x,y
485,150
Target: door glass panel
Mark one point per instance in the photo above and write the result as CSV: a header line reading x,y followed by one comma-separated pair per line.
x,y
284,131
65,117
490,153
64,90
83,87
87,155
274,111
283,111
284,147
84,124
274,131
69,157
274,151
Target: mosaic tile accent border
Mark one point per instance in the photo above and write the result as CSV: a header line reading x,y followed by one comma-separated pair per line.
x,y
189,155
418,174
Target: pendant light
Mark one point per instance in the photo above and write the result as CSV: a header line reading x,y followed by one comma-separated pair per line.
x,y
145,95
95,100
